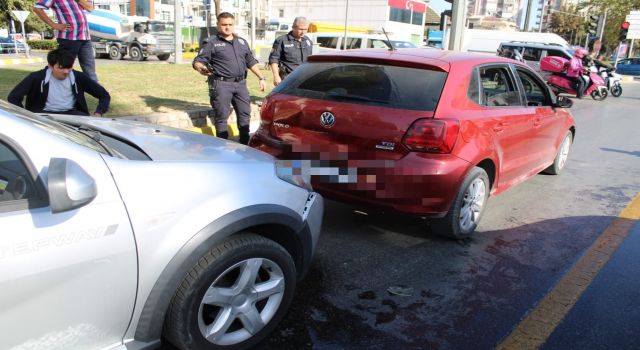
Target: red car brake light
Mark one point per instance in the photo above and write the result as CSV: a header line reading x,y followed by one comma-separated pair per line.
x,y
432,135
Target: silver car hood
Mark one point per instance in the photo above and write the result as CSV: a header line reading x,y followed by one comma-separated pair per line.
x,y
167,143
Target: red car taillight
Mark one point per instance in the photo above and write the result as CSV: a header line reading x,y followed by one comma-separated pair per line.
x,y
432,135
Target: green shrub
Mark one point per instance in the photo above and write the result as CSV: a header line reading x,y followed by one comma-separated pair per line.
x,y
42,44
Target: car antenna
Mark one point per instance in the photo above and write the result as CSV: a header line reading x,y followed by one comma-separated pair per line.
x,y
391,48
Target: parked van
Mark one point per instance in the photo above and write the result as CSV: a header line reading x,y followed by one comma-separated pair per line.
x,y
334,41
488,41
533,52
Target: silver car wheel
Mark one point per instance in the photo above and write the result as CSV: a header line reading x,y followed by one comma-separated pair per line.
x,y
474,199
564,152
241,301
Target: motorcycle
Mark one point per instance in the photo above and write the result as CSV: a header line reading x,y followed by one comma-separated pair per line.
x,y
611,80
560,83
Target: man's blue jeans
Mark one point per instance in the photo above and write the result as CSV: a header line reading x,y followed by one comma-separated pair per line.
x,y
84,51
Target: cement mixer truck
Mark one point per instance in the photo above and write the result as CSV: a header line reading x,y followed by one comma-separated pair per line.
x,y
115,35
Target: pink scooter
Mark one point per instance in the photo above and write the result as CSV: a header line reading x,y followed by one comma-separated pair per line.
x,y
559,82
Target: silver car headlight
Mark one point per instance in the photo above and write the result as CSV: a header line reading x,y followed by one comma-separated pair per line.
x,y
294,172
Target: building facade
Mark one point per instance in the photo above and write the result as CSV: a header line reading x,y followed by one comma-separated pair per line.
x,y
401,19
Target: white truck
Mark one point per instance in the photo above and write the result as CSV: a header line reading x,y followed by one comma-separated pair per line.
x,y
115,35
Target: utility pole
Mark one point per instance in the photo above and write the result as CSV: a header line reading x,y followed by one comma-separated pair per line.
x,y
541,16
604,22
527,16
457,24
253,25
178,32
346,16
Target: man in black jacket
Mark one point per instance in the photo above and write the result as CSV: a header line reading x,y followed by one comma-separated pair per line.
x,y
290,50
59,89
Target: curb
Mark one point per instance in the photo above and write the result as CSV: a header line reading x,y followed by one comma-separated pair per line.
x,y
627,78
197,120
10,61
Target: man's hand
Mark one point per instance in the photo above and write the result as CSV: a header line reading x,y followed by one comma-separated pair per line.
x,y
201,68
277,80
263,85
61,27
97,114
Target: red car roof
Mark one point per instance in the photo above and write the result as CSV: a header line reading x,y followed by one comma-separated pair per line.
x,y
442,59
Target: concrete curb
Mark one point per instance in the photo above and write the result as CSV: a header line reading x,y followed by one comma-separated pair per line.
x,y
197,120
629,78
12,61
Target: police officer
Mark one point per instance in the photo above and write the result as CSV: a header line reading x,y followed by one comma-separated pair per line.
x,y
290,50
224,59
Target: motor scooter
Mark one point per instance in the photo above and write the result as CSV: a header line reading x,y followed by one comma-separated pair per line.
x,y
560,83
611,80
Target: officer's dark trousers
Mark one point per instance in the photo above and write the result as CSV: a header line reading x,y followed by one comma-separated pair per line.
x,y
223,94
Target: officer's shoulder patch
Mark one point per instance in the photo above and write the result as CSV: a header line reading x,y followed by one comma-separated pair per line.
x,y
242,41
309,42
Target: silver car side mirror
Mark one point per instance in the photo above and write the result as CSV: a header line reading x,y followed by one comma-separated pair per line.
x,y
70,187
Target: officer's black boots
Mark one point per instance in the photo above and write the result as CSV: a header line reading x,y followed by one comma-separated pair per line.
x,y
244,135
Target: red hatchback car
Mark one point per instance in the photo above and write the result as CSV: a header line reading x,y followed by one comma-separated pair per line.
x,y
424,132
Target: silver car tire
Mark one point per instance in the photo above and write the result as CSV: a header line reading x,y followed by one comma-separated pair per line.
x,y
467,208
233,297
561,156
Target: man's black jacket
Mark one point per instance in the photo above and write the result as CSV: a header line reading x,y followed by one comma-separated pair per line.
x,y
36,90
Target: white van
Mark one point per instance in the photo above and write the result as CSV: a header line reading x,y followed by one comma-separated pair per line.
x,y
488,41
334,41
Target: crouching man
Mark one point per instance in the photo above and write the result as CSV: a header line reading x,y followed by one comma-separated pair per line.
x,y
59,89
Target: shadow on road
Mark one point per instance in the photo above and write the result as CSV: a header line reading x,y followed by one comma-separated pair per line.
x,y
632,153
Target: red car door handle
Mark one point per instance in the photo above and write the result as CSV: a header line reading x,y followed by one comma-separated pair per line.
x,y
537,122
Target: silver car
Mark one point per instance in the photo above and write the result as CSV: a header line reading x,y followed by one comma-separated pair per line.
x,y
115,234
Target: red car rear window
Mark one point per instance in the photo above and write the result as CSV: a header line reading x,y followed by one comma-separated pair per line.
x,y
371,84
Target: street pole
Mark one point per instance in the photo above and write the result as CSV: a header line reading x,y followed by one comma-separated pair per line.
x,y
541,17
604,22
22,16
457,24
346,16
178,32
527,16
586,40
253,26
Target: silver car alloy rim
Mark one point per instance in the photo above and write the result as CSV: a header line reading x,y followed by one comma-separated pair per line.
x,y
241,301
472,206
564,152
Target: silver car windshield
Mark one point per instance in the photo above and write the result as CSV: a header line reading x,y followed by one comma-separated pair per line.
x,y
47,124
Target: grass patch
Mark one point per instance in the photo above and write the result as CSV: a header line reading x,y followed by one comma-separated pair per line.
x,y
142,88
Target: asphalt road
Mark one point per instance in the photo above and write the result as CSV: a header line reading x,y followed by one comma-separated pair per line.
x,y
382,281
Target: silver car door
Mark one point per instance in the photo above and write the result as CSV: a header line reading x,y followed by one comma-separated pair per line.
x,y
68,279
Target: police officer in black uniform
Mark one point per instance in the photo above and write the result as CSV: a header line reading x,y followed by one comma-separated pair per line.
x,y
224,58
290,50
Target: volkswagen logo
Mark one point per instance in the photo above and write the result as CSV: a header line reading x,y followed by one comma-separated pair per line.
x,y
327,119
